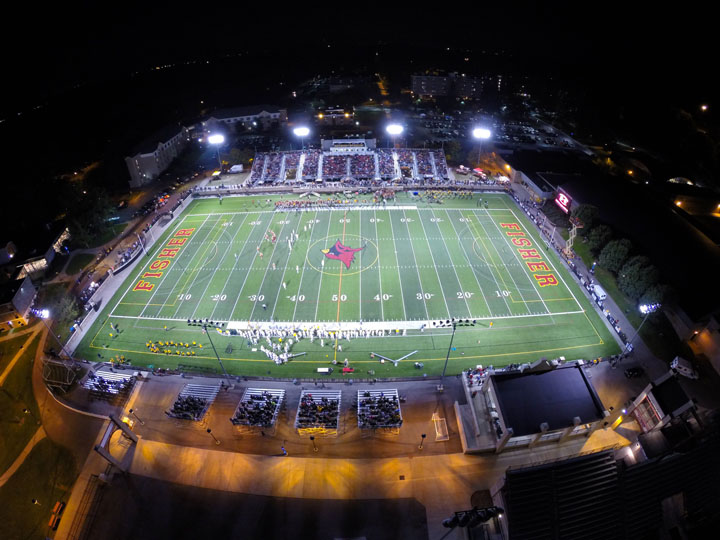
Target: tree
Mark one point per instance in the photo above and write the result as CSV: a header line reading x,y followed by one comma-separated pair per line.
x,y
598,237
241,155
636,276
654,294
588,214
452,151
614,254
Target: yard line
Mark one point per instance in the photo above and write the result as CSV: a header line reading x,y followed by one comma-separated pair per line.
x,y
232,270
302,274
382,311
230,244
502,260
472,268
477,236
239,294
282,280
198,270
392,233
157,250
417,270
554,268
317,298
174,265
267,269
524,267
432,257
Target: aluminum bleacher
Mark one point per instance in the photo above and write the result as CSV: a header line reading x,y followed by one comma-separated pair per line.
x,y
259,407
193,401
379,409
318,413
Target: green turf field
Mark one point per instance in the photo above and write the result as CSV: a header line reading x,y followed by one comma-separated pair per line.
x,y
395,267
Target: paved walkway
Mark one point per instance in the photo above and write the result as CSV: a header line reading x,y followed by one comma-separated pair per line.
x,y
39,436
36,329
18,333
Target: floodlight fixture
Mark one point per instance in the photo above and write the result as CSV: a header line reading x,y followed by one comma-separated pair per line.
x,y
481,133
218,138
301,131
394,129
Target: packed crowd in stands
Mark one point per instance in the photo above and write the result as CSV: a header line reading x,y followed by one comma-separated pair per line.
x,y
272,169
362,166
257,167
405,157
188,408
424,163
379,412
387,164
334,166
258,410
310,166
320,413
102,388
441,164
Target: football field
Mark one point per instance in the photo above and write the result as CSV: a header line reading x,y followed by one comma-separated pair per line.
x,y
402,266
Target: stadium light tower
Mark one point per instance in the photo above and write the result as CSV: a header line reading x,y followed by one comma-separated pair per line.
x,y
454,323
301,132
217,140
645,309
394,130
481,133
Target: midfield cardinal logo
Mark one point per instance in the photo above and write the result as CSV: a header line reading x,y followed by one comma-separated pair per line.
x,y
341,253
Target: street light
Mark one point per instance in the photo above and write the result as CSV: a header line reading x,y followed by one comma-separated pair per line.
x,y
312,439
213,436
132,411
445,324
302,132
217,140
645,309
422,441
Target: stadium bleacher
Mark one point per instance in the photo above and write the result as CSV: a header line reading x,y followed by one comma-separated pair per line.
x,y
349,164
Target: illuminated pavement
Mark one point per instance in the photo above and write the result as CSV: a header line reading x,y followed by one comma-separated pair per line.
x,y
351,467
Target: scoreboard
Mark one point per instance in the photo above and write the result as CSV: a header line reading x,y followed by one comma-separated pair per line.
x,y
563,200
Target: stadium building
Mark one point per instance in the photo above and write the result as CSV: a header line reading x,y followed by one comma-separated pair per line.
x,y
153,156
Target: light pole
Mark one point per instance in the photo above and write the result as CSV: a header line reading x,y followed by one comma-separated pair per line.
x,y
312,439
480,134
645,309
132,411
205,324
301,132
422,441
445,324
394,130
45,314
213,436
217,140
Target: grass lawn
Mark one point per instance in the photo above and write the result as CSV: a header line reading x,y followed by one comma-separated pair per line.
x,y
413,262
78,262
8,349
47,474
64,311
657,333
16,394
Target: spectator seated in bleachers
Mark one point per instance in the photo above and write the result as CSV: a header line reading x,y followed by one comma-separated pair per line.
x,y
362,166
188,408
310,168
334,167
321,413
424,163
259,410
378,412
387,165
